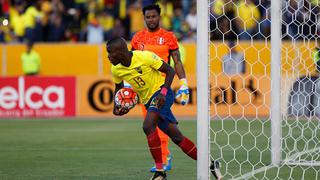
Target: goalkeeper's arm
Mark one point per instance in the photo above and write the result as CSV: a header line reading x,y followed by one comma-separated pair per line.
x,y
183,92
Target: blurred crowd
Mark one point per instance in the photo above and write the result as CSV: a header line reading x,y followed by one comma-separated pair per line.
x,y
250,19
95,21
92,21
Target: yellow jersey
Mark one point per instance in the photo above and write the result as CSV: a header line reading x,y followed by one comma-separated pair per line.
x,y
142,74
30,17
30,62
18,26
248,14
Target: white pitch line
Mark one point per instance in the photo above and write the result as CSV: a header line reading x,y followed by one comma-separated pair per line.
x,y
250,174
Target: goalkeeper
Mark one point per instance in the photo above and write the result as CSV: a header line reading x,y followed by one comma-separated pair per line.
x,y
141,69
164,44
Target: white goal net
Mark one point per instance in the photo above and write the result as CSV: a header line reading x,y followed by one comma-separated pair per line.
x,y
263,88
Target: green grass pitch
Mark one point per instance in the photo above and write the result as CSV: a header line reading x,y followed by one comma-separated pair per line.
x,y
83,149
117,149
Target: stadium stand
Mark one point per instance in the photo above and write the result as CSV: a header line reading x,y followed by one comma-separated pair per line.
x,y
76,20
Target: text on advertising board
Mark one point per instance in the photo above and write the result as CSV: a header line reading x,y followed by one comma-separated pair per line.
x,y
34,96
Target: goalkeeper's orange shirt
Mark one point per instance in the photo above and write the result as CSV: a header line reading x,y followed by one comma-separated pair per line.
x,y
159,42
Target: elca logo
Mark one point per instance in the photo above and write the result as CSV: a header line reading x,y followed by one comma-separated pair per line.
x,y
51,97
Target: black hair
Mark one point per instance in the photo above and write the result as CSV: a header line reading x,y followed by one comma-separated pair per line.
x,y
114,40
118,41
151,7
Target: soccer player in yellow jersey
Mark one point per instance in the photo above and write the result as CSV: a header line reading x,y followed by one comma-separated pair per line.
x,y
165,44
142,70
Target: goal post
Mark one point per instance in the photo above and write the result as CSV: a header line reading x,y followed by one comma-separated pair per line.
x,y
275,82
203,91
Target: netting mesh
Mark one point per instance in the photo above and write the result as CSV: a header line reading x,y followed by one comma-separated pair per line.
x,y
240,89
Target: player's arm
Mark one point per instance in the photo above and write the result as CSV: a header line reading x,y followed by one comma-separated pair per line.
x,y
118,111
183,92
178,66
168,70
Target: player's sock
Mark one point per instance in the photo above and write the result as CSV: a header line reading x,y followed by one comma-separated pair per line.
x,y
189,148
155,149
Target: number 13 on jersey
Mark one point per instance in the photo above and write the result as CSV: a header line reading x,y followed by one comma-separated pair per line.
x,y
140,82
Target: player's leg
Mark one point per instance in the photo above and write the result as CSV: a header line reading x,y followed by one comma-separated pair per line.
x,y
166,156
149,128
187,146
151,121
164,148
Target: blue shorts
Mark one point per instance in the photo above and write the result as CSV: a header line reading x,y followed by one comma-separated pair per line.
x,y
165,111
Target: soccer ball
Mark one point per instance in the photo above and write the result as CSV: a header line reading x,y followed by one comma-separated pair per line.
x,y
126,98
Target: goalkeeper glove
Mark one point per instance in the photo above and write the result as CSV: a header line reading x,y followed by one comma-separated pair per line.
x,y
183,92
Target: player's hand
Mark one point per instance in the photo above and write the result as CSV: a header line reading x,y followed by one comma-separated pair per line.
x,y
160,100
118,111
183,92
